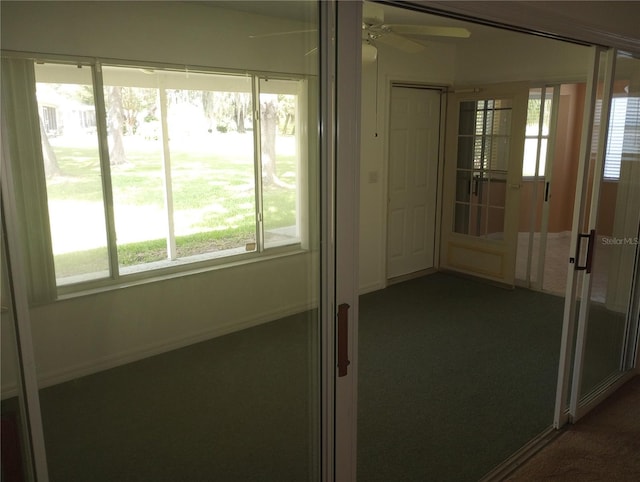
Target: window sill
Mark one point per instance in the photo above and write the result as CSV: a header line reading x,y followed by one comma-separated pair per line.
x,y
174,271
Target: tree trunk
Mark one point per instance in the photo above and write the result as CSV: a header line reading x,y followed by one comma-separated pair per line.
x,y
207,107
239,113
115,114
51,167
286,123
268,122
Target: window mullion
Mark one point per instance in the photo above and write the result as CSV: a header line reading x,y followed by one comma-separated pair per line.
x,y
257,156
166,169
105,169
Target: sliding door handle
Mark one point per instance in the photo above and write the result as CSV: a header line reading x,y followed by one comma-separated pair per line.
x,y
546,192
343,339
590,249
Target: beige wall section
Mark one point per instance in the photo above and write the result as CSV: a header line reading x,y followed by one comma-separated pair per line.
x,y
85,334
520,57
183,33
77,336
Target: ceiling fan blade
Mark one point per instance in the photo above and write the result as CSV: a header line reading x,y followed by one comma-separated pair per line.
x,y
400,43
430,30
278,34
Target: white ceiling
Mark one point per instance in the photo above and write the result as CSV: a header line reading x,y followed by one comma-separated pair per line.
x,y
615,23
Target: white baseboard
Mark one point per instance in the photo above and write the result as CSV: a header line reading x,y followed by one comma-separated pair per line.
x,y
54,377
370,288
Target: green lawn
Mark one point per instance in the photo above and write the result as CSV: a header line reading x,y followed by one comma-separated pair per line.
x,y
213,200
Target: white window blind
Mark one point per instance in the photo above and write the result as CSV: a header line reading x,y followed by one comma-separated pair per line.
x,y
623,136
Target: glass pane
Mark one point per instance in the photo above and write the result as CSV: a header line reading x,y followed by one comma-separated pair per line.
x,y
480,188
200,375
477,220
498,159
461,219
530,154
543,157
533,112
487,151
546,120
497,190
467,121
529,159
466,152
181,151
72,167
463,186
280,127
499,123
14,439
616,246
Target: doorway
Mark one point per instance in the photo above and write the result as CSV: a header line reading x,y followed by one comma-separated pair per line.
x,y
485,135
548,186
414,148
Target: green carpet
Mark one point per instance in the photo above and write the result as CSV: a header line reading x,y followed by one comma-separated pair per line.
x,y
235,408
455,375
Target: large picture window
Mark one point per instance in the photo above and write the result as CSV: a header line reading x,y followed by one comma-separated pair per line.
x,y
152,168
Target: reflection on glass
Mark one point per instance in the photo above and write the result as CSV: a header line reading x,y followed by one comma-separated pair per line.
x,y
495,230
194,375
463,185
281,124
181,155
497,191
72,168
483,160
616,244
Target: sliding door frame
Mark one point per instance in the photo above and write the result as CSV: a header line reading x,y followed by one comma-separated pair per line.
x,y
339,105
340,52
579,405
585,296
570,406
28,393
561,414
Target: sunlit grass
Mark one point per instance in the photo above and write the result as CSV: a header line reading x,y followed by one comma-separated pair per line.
x,y
213,198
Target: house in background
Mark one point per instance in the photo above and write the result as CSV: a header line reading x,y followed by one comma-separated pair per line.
x,y
117,318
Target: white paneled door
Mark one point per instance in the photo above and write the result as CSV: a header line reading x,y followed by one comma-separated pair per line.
x,y
414,136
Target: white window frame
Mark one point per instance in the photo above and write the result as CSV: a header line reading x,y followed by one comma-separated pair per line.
x,y
194,264
539,136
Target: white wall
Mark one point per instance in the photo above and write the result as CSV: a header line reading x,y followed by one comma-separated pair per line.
x,y
85,334
507,56
519,57
183,33
434,66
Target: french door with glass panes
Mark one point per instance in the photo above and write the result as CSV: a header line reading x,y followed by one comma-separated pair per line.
x,y
538,166
484,146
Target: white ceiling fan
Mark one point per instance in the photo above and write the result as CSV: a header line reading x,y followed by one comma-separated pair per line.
x,y
405,37
401,36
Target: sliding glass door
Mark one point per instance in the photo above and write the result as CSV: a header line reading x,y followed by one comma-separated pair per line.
x,y
175,211
602,285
